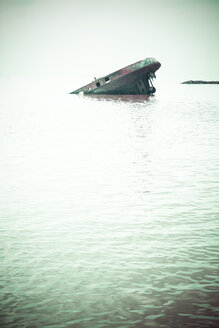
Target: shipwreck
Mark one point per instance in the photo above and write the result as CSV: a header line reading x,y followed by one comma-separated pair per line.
x,y
135,79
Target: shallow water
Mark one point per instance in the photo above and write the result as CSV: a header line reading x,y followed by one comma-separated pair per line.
x,y
108,207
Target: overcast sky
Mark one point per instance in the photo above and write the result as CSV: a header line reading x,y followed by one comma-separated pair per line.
x,y
69,38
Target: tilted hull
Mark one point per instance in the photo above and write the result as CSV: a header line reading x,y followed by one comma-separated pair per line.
x,y
135,79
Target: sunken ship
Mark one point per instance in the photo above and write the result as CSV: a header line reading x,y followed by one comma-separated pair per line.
x,y
135,79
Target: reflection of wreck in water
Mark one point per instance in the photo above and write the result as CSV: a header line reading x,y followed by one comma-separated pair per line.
x,y
135,79
118,99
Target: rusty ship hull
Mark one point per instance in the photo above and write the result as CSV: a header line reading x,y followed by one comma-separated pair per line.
x,y
135,79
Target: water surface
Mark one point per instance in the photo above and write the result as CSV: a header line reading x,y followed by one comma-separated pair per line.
x,y
108,207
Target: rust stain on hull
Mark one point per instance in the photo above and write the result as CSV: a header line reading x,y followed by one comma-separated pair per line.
x,y
135,79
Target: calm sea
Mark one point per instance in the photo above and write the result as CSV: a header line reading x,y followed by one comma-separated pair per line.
x,y
108,207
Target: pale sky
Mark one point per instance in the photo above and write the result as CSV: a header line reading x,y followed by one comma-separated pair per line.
x,y
69,38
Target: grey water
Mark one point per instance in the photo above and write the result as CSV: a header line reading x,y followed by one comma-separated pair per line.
x,y
108,207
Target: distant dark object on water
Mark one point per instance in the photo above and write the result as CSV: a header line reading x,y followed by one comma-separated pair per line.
x,y
200,82
135,79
